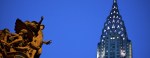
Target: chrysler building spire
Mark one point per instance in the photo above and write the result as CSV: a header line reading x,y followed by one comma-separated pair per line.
x,y
114,10
114,1
114,42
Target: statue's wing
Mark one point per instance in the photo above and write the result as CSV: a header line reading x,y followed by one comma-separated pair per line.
x,y
19,25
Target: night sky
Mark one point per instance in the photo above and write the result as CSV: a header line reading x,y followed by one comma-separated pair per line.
x,y
75,26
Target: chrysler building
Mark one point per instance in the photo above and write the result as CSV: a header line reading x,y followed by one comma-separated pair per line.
x,y
114,42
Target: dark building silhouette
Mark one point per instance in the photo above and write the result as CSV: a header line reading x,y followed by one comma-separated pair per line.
x,y
114,42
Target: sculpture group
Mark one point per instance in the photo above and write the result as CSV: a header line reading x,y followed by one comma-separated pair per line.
x,y
26,42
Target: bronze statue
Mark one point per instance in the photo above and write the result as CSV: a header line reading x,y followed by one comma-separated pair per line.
x,y
25,43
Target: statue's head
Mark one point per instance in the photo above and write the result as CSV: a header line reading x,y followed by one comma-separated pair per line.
x,y
38,25
42,27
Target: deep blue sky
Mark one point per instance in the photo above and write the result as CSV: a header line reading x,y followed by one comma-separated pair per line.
x,y
75,26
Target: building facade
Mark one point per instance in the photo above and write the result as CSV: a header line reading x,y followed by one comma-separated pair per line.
x,y
114,42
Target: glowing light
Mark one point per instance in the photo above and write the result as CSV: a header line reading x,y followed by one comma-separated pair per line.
x,y
114,1
113,26
113,38
122,35
117,17
117,37
113,21
123,53
123,38
104,30
114,11
104,36
102,40
118,26
98,53
108,28
114,16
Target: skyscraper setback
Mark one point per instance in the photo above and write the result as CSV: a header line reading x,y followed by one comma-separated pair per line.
x,y
114,42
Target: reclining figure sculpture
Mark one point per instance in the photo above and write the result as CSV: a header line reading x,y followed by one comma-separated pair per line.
x,y
26,42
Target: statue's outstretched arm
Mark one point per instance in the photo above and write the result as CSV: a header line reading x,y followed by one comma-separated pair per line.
x,y
47,42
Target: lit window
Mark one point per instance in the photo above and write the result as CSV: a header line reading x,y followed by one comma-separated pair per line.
x,y
113,26
117,12
121,23
122,35
106,33
115,30
104,30
102,40
114,16
117,37
104,36
111,12
108,28
109,22
123,53
123,38
122,29
117,21
113,21
110,17
118,26
114,7
110,31
119,32
113,37
114,11
105,24
117,17
107,51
